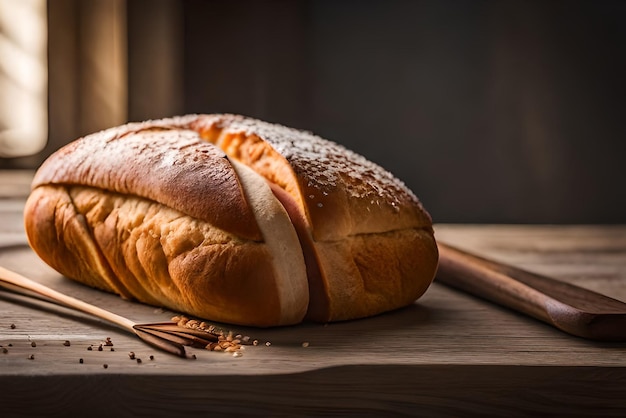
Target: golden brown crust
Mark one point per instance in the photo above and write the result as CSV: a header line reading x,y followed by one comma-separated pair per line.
x,y
172,166
155,212
361,223
153,254
61,237
341,192
373,273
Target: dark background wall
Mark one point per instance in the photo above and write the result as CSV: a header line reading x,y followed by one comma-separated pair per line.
x,y
491,111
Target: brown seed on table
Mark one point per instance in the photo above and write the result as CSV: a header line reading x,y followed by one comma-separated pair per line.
x,y
66,343
131,355
33,344
138,360
112,349
100,347
151,357
89,348
106,366
31,357
13,326
80,360
5,350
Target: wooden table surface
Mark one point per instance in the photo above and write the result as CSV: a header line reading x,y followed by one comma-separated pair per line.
x,y
448,354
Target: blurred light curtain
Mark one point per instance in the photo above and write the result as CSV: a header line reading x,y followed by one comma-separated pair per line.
x,y
23,77
63,73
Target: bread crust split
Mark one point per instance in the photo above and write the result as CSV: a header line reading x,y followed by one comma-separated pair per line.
x,y
233,220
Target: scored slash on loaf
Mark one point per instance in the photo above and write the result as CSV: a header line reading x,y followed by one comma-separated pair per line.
x,y
231,219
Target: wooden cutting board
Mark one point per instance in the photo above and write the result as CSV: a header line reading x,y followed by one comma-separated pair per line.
x,y
449,353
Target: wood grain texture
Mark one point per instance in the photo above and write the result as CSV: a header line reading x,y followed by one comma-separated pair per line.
x,y
362,390
448,354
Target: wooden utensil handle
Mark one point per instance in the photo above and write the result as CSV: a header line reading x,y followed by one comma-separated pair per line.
x,y
572,309
19,284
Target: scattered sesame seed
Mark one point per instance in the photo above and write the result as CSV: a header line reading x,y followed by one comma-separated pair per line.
x,y
267,344
66,343
305,344
237,354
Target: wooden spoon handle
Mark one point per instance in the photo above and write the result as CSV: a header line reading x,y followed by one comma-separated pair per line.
x,y
19,284
570,308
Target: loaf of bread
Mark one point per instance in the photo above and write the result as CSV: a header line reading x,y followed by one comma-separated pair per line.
x,y
231,219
